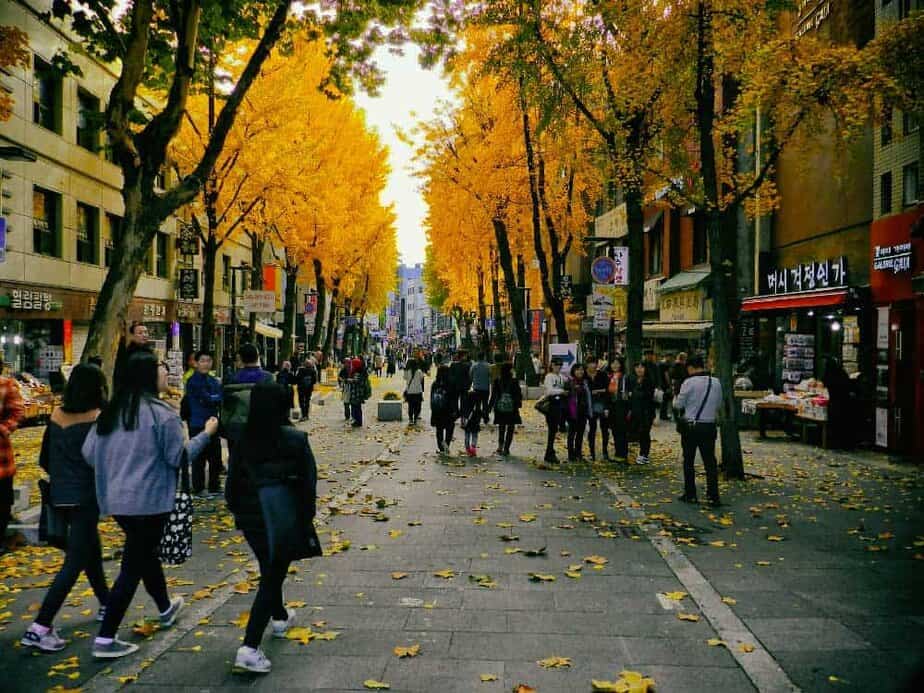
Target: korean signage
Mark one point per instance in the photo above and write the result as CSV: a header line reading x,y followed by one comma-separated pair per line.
x,y
808,276
892,258
30,299
565,286
607,301
811,15
188,240
613,224
535,327
189,284
683,306
650,301
154,310
255,301
602,270
621,263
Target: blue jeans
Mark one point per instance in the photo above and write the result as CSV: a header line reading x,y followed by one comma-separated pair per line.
x,y
357,411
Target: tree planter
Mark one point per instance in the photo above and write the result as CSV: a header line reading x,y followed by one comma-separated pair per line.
x,y
390,410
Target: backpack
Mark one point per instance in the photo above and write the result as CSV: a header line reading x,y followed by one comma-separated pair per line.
x,y
439,399
505,404
235,408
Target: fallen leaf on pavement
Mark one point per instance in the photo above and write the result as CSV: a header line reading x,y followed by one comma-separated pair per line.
x,y
527,517
688,617
541,577
675,596
301,634
596,560
145,629
774,537
242,588
398,576
374,685
731,601
523,688
629,682
533,553
241,620
554,662
746,647
483,581
716,642
411,651
484,678
446,574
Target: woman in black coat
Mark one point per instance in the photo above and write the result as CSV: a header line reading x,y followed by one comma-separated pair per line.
x,y
506,402
642,409
443,408
272,491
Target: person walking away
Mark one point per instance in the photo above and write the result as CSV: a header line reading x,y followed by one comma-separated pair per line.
x,y
578,408
136,447
250,371
678,374
506,402
642,409
343,380
460,373
471,421
443,413
203,398
360,390
480,375
696,407
12,412
390,360
617,409
272,493
554,386
598,379
305,379
667,387
73,493
413,391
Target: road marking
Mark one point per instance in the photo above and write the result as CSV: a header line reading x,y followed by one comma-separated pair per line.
x,y
759,665
666,604
106,681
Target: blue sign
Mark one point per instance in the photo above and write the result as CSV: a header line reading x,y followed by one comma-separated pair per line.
x,y
2,238
603,270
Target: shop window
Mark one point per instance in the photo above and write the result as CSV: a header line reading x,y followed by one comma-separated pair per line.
x,y
226,273
46,96
885,132
655,247
885,193
46,222
88,120
114,224
87,234
909,124
149,262
160,249
700,240
910,184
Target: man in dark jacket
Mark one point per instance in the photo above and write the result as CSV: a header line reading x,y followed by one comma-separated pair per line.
x,y
305,379
203,401
460,376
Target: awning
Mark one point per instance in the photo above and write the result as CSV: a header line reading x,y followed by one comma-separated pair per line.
x,y
652,218
268,330
684,280
676,330
805,299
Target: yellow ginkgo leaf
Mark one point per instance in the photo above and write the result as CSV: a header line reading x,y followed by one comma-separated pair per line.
x,y
446,574
608,686
541,577
242,588
731,601
675,596
398,576
374,685
484,678
596,560
716,642
573,574
126,679
395,533
774,537
527,517
523,688
194,648
554,662
717,543
301,634
295,604
241,620
763,563
411,651
688,617
746,647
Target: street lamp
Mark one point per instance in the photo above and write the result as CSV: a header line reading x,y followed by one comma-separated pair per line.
x,y
234,270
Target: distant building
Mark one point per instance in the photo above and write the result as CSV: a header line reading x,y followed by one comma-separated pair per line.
x,y
409,318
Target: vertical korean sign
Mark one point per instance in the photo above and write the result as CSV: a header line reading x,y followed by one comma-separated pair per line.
x,y
311,309
621,263
535,327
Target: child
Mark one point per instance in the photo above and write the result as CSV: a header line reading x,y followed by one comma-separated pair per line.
x,y
471,421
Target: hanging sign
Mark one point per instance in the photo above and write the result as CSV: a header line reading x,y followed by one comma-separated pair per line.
x,y
189,284
565,286
894,258
259,301
188,240
808,276
621,265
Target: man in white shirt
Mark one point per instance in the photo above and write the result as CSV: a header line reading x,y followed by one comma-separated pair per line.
x,y
554,385
698,405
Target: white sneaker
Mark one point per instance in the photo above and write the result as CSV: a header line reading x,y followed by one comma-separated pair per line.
x,y
251,660
50,642
168,618
281,628
641,459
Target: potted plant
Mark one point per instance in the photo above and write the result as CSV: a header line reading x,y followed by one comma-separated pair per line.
x,y
390,407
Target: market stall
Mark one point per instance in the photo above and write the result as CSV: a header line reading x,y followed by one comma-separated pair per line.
x,y
802,407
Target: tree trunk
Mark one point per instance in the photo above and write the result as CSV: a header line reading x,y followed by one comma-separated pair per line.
x,y
634,310
321,306
732,459
209,256
257,242
482,313
557,306
525,365
287,350
499,339
331,320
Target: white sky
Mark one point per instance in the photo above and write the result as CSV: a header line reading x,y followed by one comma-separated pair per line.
x,y
410,93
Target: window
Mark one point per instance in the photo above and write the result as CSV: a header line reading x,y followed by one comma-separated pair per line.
x,y
88,120
46,220
114,224
107,150
46,96
904,8
655,246
700,240
87,233
226,273
909,124
160,250
910,184
885,193
885,132
160,181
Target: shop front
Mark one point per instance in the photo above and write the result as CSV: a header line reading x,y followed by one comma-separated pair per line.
x,y
897,287
684,315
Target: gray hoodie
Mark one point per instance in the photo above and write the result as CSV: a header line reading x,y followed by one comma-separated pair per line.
x,y
136,471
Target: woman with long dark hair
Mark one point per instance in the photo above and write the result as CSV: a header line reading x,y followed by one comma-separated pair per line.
x,y
413,390
73,492
642,409
617,410
136,448
578,409
506,401
271,490
443,413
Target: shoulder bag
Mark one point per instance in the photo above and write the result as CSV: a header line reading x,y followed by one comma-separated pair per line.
x,y
53,524
683,426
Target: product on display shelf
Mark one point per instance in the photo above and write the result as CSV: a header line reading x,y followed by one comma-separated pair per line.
x,y
798,358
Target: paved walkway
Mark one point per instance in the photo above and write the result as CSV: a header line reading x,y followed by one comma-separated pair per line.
x,y
807,576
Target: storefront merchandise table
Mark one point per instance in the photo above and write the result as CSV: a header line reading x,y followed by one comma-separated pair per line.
x,y
789,413
807,422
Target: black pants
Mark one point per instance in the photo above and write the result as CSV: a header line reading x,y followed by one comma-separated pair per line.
x,y
414,404
304,401
444,434
553,421
6,506
505,437
643,431
595,421
139,563
83,555
356,410
576,437
700,437
346,411
482,397
620,436
211,456
666,406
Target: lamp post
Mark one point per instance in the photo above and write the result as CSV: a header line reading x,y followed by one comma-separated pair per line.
x,y
234,270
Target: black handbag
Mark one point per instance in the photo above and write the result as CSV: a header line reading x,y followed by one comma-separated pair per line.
x,y
53,524
176,543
